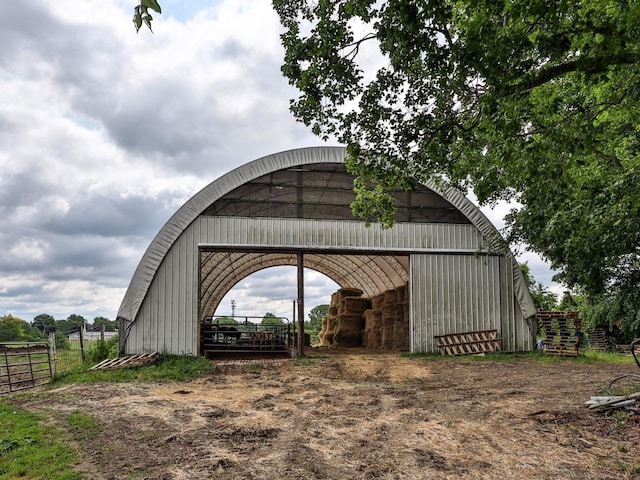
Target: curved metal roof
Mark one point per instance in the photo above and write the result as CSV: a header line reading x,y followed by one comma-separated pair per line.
x,y
370,273
373,274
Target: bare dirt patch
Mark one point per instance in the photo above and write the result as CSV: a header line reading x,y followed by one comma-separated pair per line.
x,y
357,415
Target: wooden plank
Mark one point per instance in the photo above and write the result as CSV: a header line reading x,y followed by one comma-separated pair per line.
x,y
128,361
467,343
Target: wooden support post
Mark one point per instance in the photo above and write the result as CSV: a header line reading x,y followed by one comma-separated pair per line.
x,y
300,304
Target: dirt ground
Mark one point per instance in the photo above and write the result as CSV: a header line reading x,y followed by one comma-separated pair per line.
x,y
357,415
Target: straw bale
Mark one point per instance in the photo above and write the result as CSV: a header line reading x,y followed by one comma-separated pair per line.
x,y
388,316
323,333
335,299
400,293
377,301
354,306
331,329
390,297
348,292
386,342
348,332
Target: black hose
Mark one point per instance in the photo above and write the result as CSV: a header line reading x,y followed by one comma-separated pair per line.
x,y
635,357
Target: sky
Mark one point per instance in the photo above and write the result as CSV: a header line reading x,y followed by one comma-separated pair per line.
x,y
105,133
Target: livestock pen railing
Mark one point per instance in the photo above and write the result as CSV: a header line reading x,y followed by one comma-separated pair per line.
x,y
245,335
24,365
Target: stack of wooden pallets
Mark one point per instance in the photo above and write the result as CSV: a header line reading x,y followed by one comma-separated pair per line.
x,y
562,332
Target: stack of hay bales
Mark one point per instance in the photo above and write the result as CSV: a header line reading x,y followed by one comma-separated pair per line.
x,y
387,323
381,322
343,325
349,325
401,319
372,337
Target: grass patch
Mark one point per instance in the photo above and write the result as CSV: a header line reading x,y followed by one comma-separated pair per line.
x,y
307,361
254,367
83,425
168,367
30,449
586,356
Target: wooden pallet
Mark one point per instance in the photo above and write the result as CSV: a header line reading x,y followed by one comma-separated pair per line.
x,y
468,343
129,361
562,332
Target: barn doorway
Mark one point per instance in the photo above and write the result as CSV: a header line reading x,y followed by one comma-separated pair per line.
x,y
348,282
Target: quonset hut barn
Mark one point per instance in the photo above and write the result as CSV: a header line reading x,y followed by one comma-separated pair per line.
x,y
292,208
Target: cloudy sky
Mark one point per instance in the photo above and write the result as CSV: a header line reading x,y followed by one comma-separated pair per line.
x,y
105,133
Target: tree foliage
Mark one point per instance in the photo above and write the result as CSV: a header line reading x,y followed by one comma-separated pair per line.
x,y
271,319
315,318
534,101
141,13
43,321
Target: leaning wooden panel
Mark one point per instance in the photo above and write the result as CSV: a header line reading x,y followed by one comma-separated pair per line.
x,y
468,343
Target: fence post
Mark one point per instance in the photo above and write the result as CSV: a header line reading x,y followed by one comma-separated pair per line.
x,y
52,353
82,342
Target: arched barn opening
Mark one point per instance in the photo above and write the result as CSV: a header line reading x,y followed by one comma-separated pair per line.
x,y
442,265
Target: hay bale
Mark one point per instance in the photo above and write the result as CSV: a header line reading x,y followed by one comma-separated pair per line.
x,y
322,336
400,293
377,301
347,292
373,323
390,298
348,332
386,338
354,306
331,330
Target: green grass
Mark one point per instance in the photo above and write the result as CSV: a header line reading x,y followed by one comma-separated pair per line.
x,y
168,367
83,425
586,356
31,449
308,361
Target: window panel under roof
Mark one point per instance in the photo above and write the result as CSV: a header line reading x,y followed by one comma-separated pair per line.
x,y
324,191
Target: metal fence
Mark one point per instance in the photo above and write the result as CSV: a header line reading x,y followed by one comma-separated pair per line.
x,y
24,365
29,364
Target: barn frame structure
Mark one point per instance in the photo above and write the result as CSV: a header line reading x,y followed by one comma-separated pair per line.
x,y
292,208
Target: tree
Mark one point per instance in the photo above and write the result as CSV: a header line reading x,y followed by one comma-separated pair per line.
x,y
11,329
73,321
43,321
271,319
109,325
533,101
543,299
315,318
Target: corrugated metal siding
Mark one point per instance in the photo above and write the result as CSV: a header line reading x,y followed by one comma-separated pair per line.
x,y
455,293
167,318
336,234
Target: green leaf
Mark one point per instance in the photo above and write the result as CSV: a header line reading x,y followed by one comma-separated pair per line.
x,y
152,4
